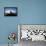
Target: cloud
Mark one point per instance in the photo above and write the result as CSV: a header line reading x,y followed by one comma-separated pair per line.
x,y
8,11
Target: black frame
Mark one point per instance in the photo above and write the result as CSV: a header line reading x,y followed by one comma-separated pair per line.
x,y
11,8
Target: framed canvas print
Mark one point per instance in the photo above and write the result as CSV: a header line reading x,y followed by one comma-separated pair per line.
x,y
10,11
32,32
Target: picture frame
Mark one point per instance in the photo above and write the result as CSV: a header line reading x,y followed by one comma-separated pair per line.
x,y
10,11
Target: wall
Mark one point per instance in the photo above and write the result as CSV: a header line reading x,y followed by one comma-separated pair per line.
x,y
8,24
29,12
33,12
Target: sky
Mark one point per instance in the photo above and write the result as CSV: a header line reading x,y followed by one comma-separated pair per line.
x,y
13,9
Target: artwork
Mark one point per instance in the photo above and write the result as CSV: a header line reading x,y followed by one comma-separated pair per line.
x,y
10,11
33,32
